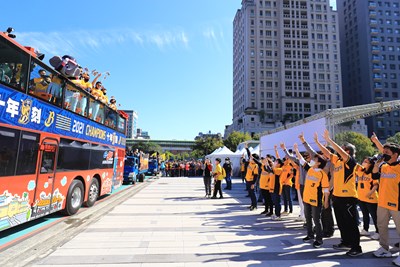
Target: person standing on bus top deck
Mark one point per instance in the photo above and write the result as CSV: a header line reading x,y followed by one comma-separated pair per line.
x,y
218,177
228,170
104,98
84,84
98,94
344,194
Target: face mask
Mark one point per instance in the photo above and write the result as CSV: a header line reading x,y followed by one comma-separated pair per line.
x,y
312,162
386,157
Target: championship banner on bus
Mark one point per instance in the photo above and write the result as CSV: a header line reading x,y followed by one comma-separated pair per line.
x,y
19,109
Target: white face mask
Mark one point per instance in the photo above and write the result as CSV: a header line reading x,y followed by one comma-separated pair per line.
x,y
311,163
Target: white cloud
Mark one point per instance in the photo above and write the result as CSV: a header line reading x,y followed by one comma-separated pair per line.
x,y
77,42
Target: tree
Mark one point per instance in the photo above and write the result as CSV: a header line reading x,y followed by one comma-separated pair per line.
x,y
394,139
147,147
236,138
205,146
364,146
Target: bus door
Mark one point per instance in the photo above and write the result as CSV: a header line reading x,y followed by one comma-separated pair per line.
x,y
47,196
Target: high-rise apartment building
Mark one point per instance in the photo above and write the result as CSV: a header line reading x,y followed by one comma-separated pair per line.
x,y
131,123
286,63
370,51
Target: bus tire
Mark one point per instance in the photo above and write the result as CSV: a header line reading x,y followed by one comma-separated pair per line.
x,y
74,197
93,193
141,177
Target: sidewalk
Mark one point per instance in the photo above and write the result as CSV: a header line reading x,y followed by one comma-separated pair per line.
x,y
170,224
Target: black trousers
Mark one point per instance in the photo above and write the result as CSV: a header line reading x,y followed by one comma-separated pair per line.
x,y
369,209
269,206
328,225
217,188
345,212
207,184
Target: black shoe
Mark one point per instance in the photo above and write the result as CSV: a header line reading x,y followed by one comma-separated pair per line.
x,y
221,197
308,239
317,244
252,208
213,197
341,246
354,252
268,214
264,212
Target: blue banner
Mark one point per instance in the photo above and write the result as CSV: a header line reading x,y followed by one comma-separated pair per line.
x,y
19,109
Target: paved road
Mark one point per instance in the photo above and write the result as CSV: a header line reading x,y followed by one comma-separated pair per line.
x,y
169,223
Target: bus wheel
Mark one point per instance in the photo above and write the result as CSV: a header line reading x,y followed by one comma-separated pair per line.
x,y
141,177
93,193
74,197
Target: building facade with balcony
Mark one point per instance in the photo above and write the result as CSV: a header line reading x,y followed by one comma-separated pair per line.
x,y
286,63
370,56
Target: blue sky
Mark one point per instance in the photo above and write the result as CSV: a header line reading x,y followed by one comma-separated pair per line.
x,y
171,61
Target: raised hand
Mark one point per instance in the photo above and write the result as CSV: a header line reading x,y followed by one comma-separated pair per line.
x,y
374,138
282,144
316,137
326,135
301,137
295,147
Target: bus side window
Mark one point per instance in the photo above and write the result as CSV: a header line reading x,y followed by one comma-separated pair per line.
x,y
28,153
47,162
8,147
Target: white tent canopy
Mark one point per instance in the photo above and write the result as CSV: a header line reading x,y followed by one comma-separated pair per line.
x,y
225,152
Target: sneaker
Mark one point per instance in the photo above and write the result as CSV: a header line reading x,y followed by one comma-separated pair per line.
x,y
396,261
354,252
269,214
341,246
395,248
276,218
213,197
264,212
317,244
221,197
308,239
285,213
382,253
363,232
375,236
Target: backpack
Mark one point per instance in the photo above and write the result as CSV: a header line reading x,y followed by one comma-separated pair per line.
x,y
223,173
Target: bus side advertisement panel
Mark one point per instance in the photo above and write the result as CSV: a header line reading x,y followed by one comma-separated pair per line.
x,y
22,110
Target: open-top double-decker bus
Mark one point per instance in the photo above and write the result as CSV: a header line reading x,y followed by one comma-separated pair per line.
x,y
54,155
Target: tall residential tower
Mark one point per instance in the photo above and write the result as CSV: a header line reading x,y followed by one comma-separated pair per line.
x,y
286,63
370,51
